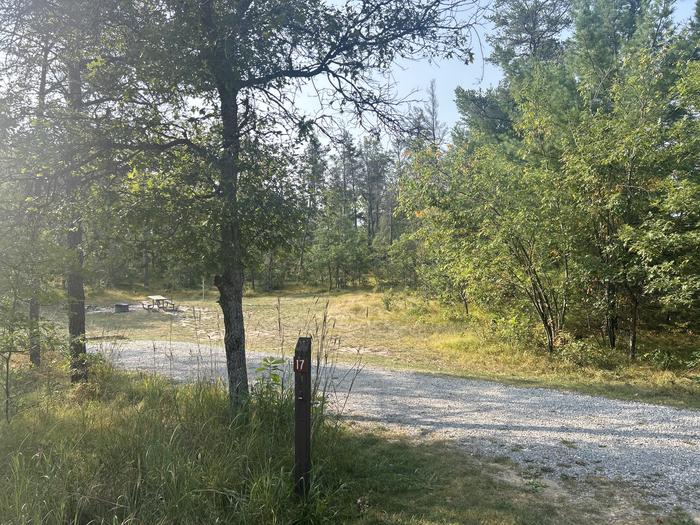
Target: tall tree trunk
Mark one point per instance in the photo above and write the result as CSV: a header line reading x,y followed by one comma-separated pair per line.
x,y
34,335
306,235
391,225
464,297
34,307
230,281
611,314
541,305
146,266
230,286
302,248
269,270
550,338
633,326
75,286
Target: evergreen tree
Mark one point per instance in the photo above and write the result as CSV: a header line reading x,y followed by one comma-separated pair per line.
x,y
527,30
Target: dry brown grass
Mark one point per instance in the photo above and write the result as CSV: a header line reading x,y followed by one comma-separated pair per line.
x,y
414,334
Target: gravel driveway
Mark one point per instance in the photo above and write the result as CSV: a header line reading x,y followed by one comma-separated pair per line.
x,y
655,448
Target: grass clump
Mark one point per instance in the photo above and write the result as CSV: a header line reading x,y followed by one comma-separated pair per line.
x,y
125,448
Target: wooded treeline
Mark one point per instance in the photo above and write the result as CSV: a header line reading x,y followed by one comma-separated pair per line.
x,y
569,195
160,142
572,190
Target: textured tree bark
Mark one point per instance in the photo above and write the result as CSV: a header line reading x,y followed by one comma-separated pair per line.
x,y
230,286
550,339
230,281
75,286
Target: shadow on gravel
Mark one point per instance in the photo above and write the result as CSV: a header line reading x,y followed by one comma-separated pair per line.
x,y
390,479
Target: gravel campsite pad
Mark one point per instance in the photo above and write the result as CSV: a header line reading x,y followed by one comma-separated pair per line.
x,y
567,435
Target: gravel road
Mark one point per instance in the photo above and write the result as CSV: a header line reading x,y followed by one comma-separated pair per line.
x,y
655,448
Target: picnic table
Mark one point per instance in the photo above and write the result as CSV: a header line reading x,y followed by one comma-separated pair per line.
x,y
158,302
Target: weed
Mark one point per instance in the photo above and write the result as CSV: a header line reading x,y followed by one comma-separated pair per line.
x,y
534,486
388,299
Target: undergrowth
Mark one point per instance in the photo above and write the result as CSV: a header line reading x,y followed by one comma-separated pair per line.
x,y
122,449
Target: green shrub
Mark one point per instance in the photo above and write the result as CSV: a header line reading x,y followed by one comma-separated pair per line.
x,y
589,353
388,298
693,363
663,358
516,329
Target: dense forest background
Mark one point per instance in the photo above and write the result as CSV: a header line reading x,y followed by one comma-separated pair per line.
x,y
565,203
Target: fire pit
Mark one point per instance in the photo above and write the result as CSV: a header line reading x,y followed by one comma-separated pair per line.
x,y
121,308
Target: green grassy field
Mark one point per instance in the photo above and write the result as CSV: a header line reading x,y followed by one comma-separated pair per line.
x,y
125,448
411,334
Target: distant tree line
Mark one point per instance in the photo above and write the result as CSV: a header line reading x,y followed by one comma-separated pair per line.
x,y
569,195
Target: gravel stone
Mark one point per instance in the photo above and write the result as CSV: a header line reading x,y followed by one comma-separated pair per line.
x,y
567,435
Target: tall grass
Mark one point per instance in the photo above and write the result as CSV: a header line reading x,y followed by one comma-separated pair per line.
x,y
123,449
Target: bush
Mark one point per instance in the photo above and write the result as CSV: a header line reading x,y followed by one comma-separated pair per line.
x,y
694,362
516,329
664,359
588,353
388,298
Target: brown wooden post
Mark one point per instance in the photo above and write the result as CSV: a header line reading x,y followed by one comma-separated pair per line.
x,y
302,416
